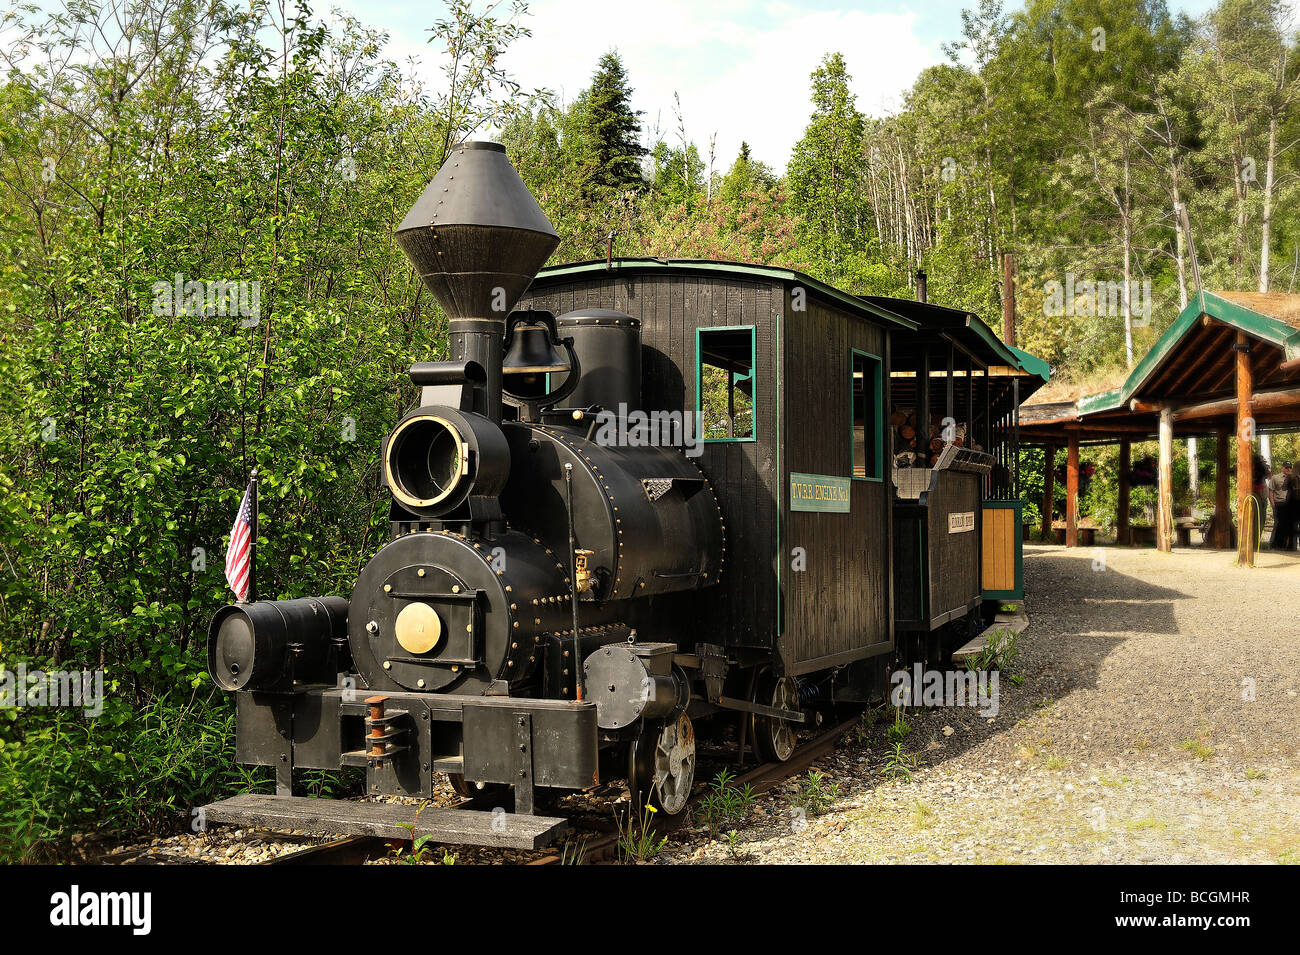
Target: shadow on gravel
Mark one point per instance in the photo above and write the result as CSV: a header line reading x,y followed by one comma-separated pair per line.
x,y
1078,616
1080,594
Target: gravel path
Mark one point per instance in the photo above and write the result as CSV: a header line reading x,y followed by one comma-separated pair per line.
x,y
1155,723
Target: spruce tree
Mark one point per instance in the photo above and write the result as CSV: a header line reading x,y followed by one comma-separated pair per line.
x,y
610,131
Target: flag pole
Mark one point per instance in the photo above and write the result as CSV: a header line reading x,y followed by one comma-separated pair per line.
x,y
252,538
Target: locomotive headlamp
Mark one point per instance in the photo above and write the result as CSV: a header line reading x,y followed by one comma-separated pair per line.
x,y
441,460
418,628
427,459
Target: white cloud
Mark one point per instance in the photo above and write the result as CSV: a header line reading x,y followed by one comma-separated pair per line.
x,y
742,68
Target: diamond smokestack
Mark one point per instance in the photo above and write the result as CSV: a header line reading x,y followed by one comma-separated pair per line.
x,y
477,237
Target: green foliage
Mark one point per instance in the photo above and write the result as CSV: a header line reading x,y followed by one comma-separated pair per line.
x,y
1001,651
825,173
216,143
814,795
724,805
736,847
900,764
609,132
637,839
899,728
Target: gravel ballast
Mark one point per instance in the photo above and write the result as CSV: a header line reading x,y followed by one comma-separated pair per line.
x,y
1156,723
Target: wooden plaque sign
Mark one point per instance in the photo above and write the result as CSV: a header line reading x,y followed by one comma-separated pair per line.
x,y
819,492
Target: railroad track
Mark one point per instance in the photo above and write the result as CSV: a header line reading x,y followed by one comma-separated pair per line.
x,y
600,847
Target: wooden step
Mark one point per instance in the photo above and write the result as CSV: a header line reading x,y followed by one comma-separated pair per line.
x,y
1010,622
464,827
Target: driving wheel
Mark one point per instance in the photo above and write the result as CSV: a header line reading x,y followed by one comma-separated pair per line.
x,y
661,767
774,736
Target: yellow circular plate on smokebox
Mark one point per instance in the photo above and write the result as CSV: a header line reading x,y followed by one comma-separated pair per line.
x,y
418,628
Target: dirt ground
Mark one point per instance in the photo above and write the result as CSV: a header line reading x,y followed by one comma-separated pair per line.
x,y
1155,721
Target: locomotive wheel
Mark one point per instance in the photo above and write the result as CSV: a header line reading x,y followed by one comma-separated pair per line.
x,y
661,767
775,737
483,795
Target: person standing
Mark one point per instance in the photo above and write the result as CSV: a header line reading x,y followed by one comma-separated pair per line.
x,y
1281,492
1293,508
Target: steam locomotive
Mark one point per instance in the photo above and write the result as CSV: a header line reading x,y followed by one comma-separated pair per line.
x,y
673,504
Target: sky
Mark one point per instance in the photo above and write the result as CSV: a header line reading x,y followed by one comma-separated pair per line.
x,y
741,68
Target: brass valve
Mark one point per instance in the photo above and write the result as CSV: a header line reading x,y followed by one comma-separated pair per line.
x,y
582,568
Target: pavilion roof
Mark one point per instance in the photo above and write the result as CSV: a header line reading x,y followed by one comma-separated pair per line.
x,y
1192,365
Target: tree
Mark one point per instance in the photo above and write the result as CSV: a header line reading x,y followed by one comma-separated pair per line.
x,y
746,176
825,172
609,145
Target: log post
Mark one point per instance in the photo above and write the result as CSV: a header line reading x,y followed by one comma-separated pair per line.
x,y
1245,444
1123,533
1072,492
1165,497
1049,491
1008,298
1222,520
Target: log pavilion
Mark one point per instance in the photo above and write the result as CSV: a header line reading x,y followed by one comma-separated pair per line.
x,y
1229,364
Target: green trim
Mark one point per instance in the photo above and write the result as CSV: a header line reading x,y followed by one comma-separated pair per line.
x,y
1248,320
851,302
1017,505
1032,363
699,382
1105,401
878,438
1010,356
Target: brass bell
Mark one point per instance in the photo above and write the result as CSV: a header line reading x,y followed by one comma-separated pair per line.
x,y
532,352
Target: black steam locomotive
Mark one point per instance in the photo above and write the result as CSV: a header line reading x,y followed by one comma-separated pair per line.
x,y
582,566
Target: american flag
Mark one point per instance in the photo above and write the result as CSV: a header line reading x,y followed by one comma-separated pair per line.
x,y
239,553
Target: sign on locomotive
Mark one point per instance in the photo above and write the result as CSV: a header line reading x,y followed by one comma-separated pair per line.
x,y
564,602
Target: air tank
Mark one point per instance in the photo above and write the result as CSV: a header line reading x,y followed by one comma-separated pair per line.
x,y
608,345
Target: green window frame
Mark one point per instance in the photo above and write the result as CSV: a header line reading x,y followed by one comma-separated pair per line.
x,y
866,434
726,346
